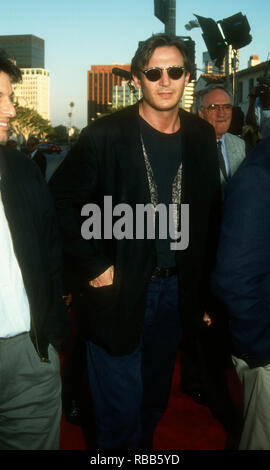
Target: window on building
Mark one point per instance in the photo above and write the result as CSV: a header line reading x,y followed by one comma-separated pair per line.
x,y
251,84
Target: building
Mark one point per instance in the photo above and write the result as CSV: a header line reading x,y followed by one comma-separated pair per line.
x,y
25,49
165,11
123,96
253,60
248,78
34,90
100,82
227,64
187,99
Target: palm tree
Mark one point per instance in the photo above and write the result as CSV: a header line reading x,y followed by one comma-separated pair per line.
x,y
71,105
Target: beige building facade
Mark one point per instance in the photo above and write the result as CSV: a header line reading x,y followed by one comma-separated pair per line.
x,y
34,91
187,99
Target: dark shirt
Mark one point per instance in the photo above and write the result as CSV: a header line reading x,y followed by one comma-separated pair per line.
x,y
164,154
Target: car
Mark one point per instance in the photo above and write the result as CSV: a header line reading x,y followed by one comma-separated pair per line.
x,y
47,147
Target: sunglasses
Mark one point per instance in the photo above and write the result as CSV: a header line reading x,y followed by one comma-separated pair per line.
x,y
154,73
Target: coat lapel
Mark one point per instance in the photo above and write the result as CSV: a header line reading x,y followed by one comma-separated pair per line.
x,y
234,152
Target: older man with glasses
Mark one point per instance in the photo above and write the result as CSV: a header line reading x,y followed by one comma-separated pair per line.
x,y
205,354
215,106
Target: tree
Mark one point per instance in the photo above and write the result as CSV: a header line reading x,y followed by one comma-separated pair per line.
x,y
71,105
60,133
28,122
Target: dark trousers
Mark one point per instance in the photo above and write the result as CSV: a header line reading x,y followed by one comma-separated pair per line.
x,y
131,392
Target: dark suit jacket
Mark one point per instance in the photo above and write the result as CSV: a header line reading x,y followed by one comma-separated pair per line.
x,y
108,160
41,161
31,217
241,278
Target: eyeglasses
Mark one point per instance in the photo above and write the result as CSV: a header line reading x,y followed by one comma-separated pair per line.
x,y
213,108
154,73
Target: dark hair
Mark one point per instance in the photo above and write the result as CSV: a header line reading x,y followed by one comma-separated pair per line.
x,y
7,66
147,48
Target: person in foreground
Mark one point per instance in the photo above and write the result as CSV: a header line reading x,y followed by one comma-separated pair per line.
x,y
139,292
33,319
241,281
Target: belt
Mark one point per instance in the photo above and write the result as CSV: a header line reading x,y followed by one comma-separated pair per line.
x,y
164,272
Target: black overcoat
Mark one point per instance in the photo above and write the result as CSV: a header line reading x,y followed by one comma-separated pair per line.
x,y
108,161
31,217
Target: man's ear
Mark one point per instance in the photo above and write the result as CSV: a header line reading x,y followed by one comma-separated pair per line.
x,y
187,76
137,81
200,113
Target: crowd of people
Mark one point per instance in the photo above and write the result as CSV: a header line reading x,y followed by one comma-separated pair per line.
x,y
156,224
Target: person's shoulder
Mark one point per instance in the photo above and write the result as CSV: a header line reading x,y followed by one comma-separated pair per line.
x,y
254,168
259,156
114,118
18,163
194,123
234,138
13,157
113,126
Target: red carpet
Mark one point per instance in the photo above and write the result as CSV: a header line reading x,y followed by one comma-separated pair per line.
x,y
186,425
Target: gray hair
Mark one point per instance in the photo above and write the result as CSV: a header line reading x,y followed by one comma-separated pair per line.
x,y
207,89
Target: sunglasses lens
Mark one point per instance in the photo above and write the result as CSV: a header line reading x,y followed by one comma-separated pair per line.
x,y
175,73
153,74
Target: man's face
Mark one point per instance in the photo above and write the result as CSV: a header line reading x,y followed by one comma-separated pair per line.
x,y
7,109
220,118
165,93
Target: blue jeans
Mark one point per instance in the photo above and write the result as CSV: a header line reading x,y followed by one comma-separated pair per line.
x,y
131,392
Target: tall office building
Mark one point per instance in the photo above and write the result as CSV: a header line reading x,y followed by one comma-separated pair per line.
x,y
25,49
165,11
187,99
34,91
101,80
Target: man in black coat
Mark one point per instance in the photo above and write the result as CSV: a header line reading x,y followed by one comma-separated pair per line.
x,y
33,319
241,281
140,289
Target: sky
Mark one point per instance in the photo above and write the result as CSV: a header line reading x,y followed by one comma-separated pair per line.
x,y
81,33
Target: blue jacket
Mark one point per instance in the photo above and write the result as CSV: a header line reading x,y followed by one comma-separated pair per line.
x,y
241,279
